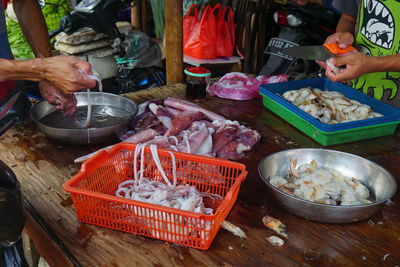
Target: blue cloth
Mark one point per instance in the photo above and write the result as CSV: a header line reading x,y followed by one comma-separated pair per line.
x,y
328,5
5,51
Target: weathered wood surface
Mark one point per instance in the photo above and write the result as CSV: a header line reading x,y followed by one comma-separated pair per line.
x,y
42,166
173,41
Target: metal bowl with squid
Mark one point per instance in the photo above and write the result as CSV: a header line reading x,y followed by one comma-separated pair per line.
x,y
380,183
111,115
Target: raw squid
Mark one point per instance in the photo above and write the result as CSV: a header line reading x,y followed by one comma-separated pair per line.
x,y
325,186
329,107
188,106
139,137
183,120
162,114
86,124
190,130
165,193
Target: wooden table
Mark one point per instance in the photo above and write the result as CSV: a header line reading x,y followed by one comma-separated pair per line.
x,y
42,166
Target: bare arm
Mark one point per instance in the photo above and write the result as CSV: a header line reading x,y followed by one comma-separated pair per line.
x,y
33,26
384,63
357,64
62,71
20,70
346,23
59,78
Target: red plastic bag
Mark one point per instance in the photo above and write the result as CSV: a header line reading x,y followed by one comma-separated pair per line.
x,y
225,31
189,20
5,3
201,35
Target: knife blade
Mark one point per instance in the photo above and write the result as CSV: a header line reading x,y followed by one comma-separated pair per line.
x,y
317,52
7,107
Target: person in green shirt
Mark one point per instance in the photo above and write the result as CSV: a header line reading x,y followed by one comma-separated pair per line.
x,y
373,27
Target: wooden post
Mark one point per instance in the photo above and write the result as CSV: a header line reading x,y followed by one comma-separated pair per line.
x,y
173,40
143,16
136,19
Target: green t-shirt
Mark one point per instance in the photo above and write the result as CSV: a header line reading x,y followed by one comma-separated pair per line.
x,y
377,34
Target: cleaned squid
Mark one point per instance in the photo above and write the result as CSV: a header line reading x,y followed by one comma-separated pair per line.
x,y
86,123
326,186
329,107
165,193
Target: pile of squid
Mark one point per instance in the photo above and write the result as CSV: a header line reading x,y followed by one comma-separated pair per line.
x,y
180,125
329,107
322,185
165,193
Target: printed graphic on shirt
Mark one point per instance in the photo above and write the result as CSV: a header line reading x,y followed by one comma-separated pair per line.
x,y
379,35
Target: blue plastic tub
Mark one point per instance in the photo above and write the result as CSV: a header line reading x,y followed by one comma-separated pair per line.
x,y
275,90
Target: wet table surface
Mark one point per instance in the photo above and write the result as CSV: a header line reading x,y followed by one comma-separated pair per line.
x,y
42,166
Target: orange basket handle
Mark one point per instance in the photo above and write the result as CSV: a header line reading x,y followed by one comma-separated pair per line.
x,y
95,162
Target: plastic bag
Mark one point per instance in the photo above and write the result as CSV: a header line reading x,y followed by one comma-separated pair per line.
x,y
189,20
225,31
239,86
200,35
141,51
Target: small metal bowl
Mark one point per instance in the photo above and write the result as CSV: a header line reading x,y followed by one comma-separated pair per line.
x,y
92,135
381,184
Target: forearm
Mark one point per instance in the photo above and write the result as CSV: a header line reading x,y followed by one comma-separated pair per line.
x,y
33,26
384,64
21,69
346,23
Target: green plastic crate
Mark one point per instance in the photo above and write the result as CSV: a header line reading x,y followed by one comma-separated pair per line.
x,y
333,137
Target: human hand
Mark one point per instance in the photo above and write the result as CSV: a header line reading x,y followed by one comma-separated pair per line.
x,y
67,73
64,102
355,64
343,39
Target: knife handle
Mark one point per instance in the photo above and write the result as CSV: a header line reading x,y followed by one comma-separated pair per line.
x,y
336,50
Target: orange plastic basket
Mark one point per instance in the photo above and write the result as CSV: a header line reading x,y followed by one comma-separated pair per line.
x,y
93,189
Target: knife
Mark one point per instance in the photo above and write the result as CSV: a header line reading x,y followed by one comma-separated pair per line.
x,y
317,52
8,105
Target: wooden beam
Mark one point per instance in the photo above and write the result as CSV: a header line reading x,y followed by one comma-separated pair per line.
x,y
30,252
45,245
173,41
143,16
136,18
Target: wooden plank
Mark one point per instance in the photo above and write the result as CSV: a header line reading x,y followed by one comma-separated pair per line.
x,y
43,245
30,252
173,41
177,90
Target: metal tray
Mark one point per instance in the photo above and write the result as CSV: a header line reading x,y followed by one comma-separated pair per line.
x,y
111,130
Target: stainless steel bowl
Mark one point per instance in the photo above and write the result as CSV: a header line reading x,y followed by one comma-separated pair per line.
x,y
381,184
93,135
